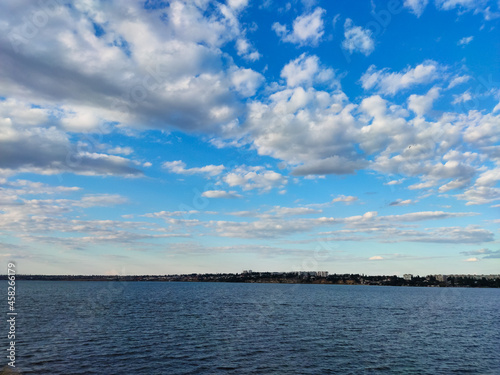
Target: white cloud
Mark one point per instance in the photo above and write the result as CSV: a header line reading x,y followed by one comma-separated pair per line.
x,y
49,151
305,70
485,253
41,221
471,260
489,178
421,104
160,68
170,214
312,131
246,81
237,4
293,211
466,40
179,167
250,178
416,6
22,114
480,129
476,6
103,200
400,202
357,39
386,234
376,257
462,98
369,226
425,215
458,80
391,83
395,182
121,150
450,4
23,187
245,49
345,199
220,194
480,195
307,29
332,165
459,183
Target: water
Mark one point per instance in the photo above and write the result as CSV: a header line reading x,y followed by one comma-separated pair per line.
x,y
217,328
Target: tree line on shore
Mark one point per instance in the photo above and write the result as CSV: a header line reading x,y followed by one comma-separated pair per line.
x,y
485,281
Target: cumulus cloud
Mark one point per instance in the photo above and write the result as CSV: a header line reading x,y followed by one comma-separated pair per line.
x,y
480,195
345,199
293,211
416,6
400,202
305,71
101,200
179,167
428,215
245,49
307,29
169,214
395,182
147,68
421,104
246,81
160,68
49,151
480,130
389,83
237,4
462,98
332,165
376,257
250,178
23,187
311,130
220,194
475,6
357,39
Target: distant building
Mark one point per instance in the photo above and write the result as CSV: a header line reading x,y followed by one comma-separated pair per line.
x,y
407,276
311,273
441,278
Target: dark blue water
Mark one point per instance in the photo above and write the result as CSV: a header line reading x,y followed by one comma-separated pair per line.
x,y
217,328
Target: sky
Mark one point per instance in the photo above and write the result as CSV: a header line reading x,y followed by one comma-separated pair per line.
x,y
201,136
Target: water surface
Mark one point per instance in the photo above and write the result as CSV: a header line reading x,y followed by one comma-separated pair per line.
x,y
221,328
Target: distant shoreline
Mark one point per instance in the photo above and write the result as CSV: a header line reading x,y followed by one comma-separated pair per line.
x,y
469,281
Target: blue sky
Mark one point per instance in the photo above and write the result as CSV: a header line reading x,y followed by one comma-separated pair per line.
x,y
202,136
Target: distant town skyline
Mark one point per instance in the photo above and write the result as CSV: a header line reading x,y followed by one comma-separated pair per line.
x,y
141,138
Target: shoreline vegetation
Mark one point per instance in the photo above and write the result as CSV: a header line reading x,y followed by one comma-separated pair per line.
x,y
310,277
